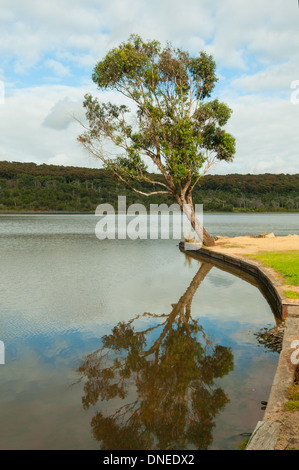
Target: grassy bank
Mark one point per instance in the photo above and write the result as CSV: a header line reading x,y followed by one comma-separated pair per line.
x,y
286,264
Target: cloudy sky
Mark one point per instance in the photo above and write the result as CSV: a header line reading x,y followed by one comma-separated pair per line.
x,y
48,50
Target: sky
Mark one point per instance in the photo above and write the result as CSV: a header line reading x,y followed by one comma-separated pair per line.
x,y
48,51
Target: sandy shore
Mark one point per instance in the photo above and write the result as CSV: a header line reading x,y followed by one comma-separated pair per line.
x,y
250,245
244,246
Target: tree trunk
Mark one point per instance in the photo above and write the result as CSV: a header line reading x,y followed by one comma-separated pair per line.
x,y
188,208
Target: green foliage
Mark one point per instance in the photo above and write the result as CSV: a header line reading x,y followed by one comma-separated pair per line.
x,y
31,187
291,294
285,263
293,392
243,444
173,124
292,405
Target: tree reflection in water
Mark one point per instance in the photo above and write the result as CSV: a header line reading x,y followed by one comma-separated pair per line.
x,y
175,397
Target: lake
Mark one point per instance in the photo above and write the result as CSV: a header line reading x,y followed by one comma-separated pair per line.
x,y
123,344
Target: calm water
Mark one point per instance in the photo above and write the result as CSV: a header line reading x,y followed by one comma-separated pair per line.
x,y
179,367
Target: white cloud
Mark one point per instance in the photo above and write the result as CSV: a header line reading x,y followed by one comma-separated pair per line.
x,y
255,45
39,125
228,27
62,114
25,138
266,135
259,31
277,77
57,67
61,159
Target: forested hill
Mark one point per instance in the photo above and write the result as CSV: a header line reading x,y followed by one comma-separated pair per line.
x,y
31,187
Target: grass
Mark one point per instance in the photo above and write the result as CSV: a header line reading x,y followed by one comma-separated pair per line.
x,y
291,294
243,444
292,405
293,392
293,395
285,263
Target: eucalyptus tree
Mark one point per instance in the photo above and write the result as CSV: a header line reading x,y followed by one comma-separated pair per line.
x,y
172,123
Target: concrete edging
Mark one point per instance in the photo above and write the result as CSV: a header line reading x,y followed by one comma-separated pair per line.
x,y
266,433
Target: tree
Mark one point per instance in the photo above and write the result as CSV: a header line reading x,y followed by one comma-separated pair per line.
x,y
173,125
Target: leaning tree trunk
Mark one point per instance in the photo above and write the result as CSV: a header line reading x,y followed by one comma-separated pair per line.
x,y
188,208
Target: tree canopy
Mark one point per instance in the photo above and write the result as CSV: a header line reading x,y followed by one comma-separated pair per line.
x,y
172,124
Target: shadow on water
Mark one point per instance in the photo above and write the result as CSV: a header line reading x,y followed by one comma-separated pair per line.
x,y
245,276
153,382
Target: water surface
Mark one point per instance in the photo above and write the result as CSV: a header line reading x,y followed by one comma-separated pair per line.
x,y
179,360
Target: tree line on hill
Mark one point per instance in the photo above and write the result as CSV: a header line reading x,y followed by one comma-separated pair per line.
x,y
32,187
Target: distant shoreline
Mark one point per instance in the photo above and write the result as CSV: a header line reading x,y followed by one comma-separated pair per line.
x,y
54,189
93,212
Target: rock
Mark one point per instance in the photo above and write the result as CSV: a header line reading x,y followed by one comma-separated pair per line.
x,y
265,436
271,338
193,246
266,235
